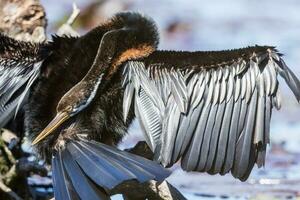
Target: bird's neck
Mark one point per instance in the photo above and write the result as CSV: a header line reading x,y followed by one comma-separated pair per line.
x,y
103,60
96,74
92,86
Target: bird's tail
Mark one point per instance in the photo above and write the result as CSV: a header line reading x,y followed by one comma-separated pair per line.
x,y
89,170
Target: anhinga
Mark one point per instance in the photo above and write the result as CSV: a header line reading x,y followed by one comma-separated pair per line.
x,y
210,109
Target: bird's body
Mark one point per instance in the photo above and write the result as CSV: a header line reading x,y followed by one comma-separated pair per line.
x,y
210,109
62,73
105,112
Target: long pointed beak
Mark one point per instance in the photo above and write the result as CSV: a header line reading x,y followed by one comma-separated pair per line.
x,y
52,126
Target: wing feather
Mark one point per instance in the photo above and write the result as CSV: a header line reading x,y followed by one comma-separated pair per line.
x,y
20,64
195,114
197,141
224,133
207,137
187,158
243,145
215,136
212,109
232,137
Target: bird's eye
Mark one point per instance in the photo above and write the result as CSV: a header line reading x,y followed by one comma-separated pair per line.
x,y
69,108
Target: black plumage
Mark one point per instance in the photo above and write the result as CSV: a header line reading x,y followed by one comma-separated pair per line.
x,y
210,109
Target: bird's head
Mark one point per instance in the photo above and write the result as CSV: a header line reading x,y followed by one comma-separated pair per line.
x,y
72,103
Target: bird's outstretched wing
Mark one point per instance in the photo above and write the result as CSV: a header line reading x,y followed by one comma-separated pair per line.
x,y
20,64
211,109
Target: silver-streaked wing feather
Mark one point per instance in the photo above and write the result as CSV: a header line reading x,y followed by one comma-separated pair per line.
x,y
212,109
20,64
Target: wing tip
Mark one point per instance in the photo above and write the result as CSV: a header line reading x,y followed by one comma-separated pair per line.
x,y
290,78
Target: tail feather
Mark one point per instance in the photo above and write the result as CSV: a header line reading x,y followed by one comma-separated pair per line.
x,y
121,169
83,167
62,183
159,172
101,168
84,188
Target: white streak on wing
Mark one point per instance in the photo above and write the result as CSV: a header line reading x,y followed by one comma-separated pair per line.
x,y
35,74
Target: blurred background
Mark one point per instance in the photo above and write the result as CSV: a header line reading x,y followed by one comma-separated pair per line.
x,y
216,25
